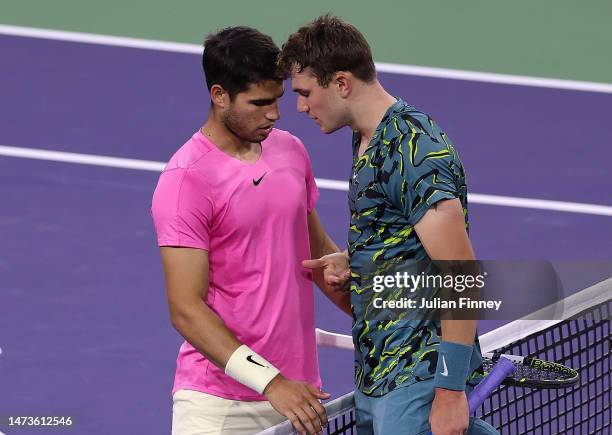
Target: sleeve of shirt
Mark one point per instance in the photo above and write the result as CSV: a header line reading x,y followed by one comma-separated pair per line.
x,y
182,210
427,176
312,191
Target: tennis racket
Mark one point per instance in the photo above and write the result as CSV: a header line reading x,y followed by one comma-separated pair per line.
x,y
501,369
519,371
498,373
529,372
533,372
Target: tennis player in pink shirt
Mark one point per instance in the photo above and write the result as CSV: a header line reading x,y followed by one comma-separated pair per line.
x,y
234,212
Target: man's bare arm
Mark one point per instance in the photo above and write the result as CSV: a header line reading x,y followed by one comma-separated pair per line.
x,y
186,271
322,245
443,234
444,237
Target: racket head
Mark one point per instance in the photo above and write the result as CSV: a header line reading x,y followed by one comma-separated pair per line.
x,y
533,372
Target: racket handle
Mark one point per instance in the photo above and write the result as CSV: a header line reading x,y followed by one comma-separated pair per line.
x,y
500,371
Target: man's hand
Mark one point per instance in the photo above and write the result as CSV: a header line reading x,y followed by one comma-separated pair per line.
x,y
449,413
335,268
299,402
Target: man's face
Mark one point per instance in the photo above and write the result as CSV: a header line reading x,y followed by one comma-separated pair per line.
x,y
323,104
252,113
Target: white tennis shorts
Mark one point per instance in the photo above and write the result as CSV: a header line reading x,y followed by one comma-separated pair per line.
x,y
196,413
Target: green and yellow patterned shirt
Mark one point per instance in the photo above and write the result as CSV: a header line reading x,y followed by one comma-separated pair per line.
x,y
409,165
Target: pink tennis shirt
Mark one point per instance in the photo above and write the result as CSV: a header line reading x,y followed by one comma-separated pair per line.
x,y
252,220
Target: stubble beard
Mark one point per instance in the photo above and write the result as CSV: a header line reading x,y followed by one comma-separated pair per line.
x,y
235,124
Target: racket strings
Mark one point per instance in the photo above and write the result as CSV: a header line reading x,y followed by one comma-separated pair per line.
x,y
525,372
522,372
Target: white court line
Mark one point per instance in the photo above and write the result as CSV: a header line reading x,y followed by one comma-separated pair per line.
x,y
177,47
485,77
83,159
91,38
322,183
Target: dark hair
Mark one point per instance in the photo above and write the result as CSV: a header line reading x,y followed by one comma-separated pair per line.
x,y
236,57
327,45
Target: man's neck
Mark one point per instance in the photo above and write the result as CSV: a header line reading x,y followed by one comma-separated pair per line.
x,y
369,108
216,132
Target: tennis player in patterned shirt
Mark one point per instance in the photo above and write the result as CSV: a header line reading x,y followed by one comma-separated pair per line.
x,y
408,202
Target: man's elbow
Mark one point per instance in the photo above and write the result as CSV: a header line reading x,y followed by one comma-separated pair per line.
x,y
181,315
178,320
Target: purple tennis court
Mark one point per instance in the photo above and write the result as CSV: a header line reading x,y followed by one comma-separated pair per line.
x,y
85,330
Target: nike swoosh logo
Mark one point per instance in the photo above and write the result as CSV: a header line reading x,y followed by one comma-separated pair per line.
x,y
251,360
256,182
445,371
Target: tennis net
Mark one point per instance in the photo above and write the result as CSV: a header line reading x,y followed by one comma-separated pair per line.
x,y
580,340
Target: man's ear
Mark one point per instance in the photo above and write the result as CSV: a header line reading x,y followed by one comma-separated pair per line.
x,y
219,96
343,83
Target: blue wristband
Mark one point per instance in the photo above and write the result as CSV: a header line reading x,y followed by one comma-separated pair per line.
x,y
453,365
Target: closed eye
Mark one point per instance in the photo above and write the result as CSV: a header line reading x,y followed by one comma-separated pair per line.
x,y
262,103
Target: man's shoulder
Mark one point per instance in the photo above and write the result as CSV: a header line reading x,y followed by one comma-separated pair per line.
x,y
284,138
192,153
417,133
186,169
409,119
283,143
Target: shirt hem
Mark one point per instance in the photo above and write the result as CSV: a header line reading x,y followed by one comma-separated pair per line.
x,y
221,394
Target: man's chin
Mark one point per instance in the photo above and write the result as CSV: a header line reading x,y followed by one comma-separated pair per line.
x,y
326,130
259,137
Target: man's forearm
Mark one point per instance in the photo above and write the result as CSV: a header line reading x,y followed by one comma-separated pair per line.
x,y
321,245
459,331
206,332
340,298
